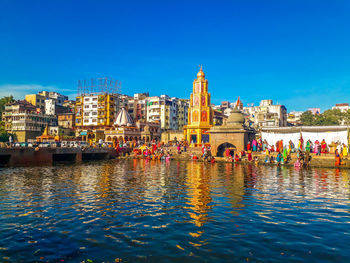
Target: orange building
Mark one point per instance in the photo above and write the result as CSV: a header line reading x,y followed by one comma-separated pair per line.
x,y
200,113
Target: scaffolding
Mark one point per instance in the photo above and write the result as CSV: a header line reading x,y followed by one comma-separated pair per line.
x,y
99,86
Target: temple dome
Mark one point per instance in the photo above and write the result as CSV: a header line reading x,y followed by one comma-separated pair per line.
x,y
200,74
236,117
123,118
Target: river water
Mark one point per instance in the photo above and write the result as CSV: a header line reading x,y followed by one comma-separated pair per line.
x,y
146,211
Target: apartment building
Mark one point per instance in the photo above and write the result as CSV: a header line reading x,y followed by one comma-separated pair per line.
x,y
24,121
50,98
95,110
267,114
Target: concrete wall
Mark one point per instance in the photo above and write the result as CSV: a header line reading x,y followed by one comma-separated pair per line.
x,y
170,136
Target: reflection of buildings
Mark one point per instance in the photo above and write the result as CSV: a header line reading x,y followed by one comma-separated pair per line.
x,y
198,183
200,113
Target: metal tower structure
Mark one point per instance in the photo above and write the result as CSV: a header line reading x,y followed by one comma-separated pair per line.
x,y
99,86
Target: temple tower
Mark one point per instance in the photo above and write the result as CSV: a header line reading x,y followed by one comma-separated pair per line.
x,y
200,113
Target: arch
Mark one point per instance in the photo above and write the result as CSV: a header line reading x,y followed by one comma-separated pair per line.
x,y
222,148
109,138
120,138
126,138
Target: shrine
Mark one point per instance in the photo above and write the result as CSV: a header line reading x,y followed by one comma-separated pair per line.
x,y
200,113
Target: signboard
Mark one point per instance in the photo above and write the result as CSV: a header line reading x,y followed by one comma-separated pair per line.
x,y
83,133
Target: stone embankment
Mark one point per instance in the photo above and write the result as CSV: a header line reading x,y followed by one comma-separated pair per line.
x,y
29,156
325,160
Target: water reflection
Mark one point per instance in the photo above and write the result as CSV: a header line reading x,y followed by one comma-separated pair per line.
x,y
198,185
145,210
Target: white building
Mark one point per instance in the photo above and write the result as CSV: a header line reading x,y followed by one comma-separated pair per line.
x,y
55,96
267,114
343,107
294,118
172,113
96,110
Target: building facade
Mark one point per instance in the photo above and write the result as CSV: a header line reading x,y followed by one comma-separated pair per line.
x,y
267,114
200,113
95,110
22,119
164,110
66,120
39,100
343,107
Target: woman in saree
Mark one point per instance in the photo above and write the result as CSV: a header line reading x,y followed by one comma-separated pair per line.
x,y
307,147
345,150
254,144
337,158
323,146
280,145
285,155
317,146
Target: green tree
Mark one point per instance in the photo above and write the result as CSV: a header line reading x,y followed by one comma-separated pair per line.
x,y
4,101
307,118
329,117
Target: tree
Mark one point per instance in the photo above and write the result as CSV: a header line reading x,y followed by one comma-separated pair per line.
x,y
4,101
329,117
307,118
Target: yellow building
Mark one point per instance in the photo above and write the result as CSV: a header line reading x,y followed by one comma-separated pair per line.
x,y
200,113
37,100
93,113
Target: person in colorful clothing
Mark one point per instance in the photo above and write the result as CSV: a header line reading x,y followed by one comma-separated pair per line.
x,y
345,150
307,147
337,158
254,144
323,146
317,148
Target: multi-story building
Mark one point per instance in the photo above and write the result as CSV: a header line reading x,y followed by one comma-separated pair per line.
x,y
45,99
37,100
69,104
182,115
293,118
57,97
96,110
267,114
343,107
66,120
163,109
137,106
24,121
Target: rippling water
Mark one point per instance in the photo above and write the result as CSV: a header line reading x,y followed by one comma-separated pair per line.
x,y
127,211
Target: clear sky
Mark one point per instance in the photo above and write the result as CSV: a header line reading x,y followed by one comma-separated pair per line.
x,y
294,52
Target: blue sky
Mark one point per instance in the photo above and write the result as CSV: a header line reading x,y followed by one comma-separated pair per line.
x,y
294,52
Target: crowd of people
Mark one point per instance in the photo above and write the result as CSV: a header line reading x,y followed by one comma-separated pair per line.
x,y
303,150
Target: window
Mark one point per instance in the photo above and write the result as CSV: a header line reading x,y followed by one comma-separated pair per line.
x,y
94,106
94,99
86,106
94,120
